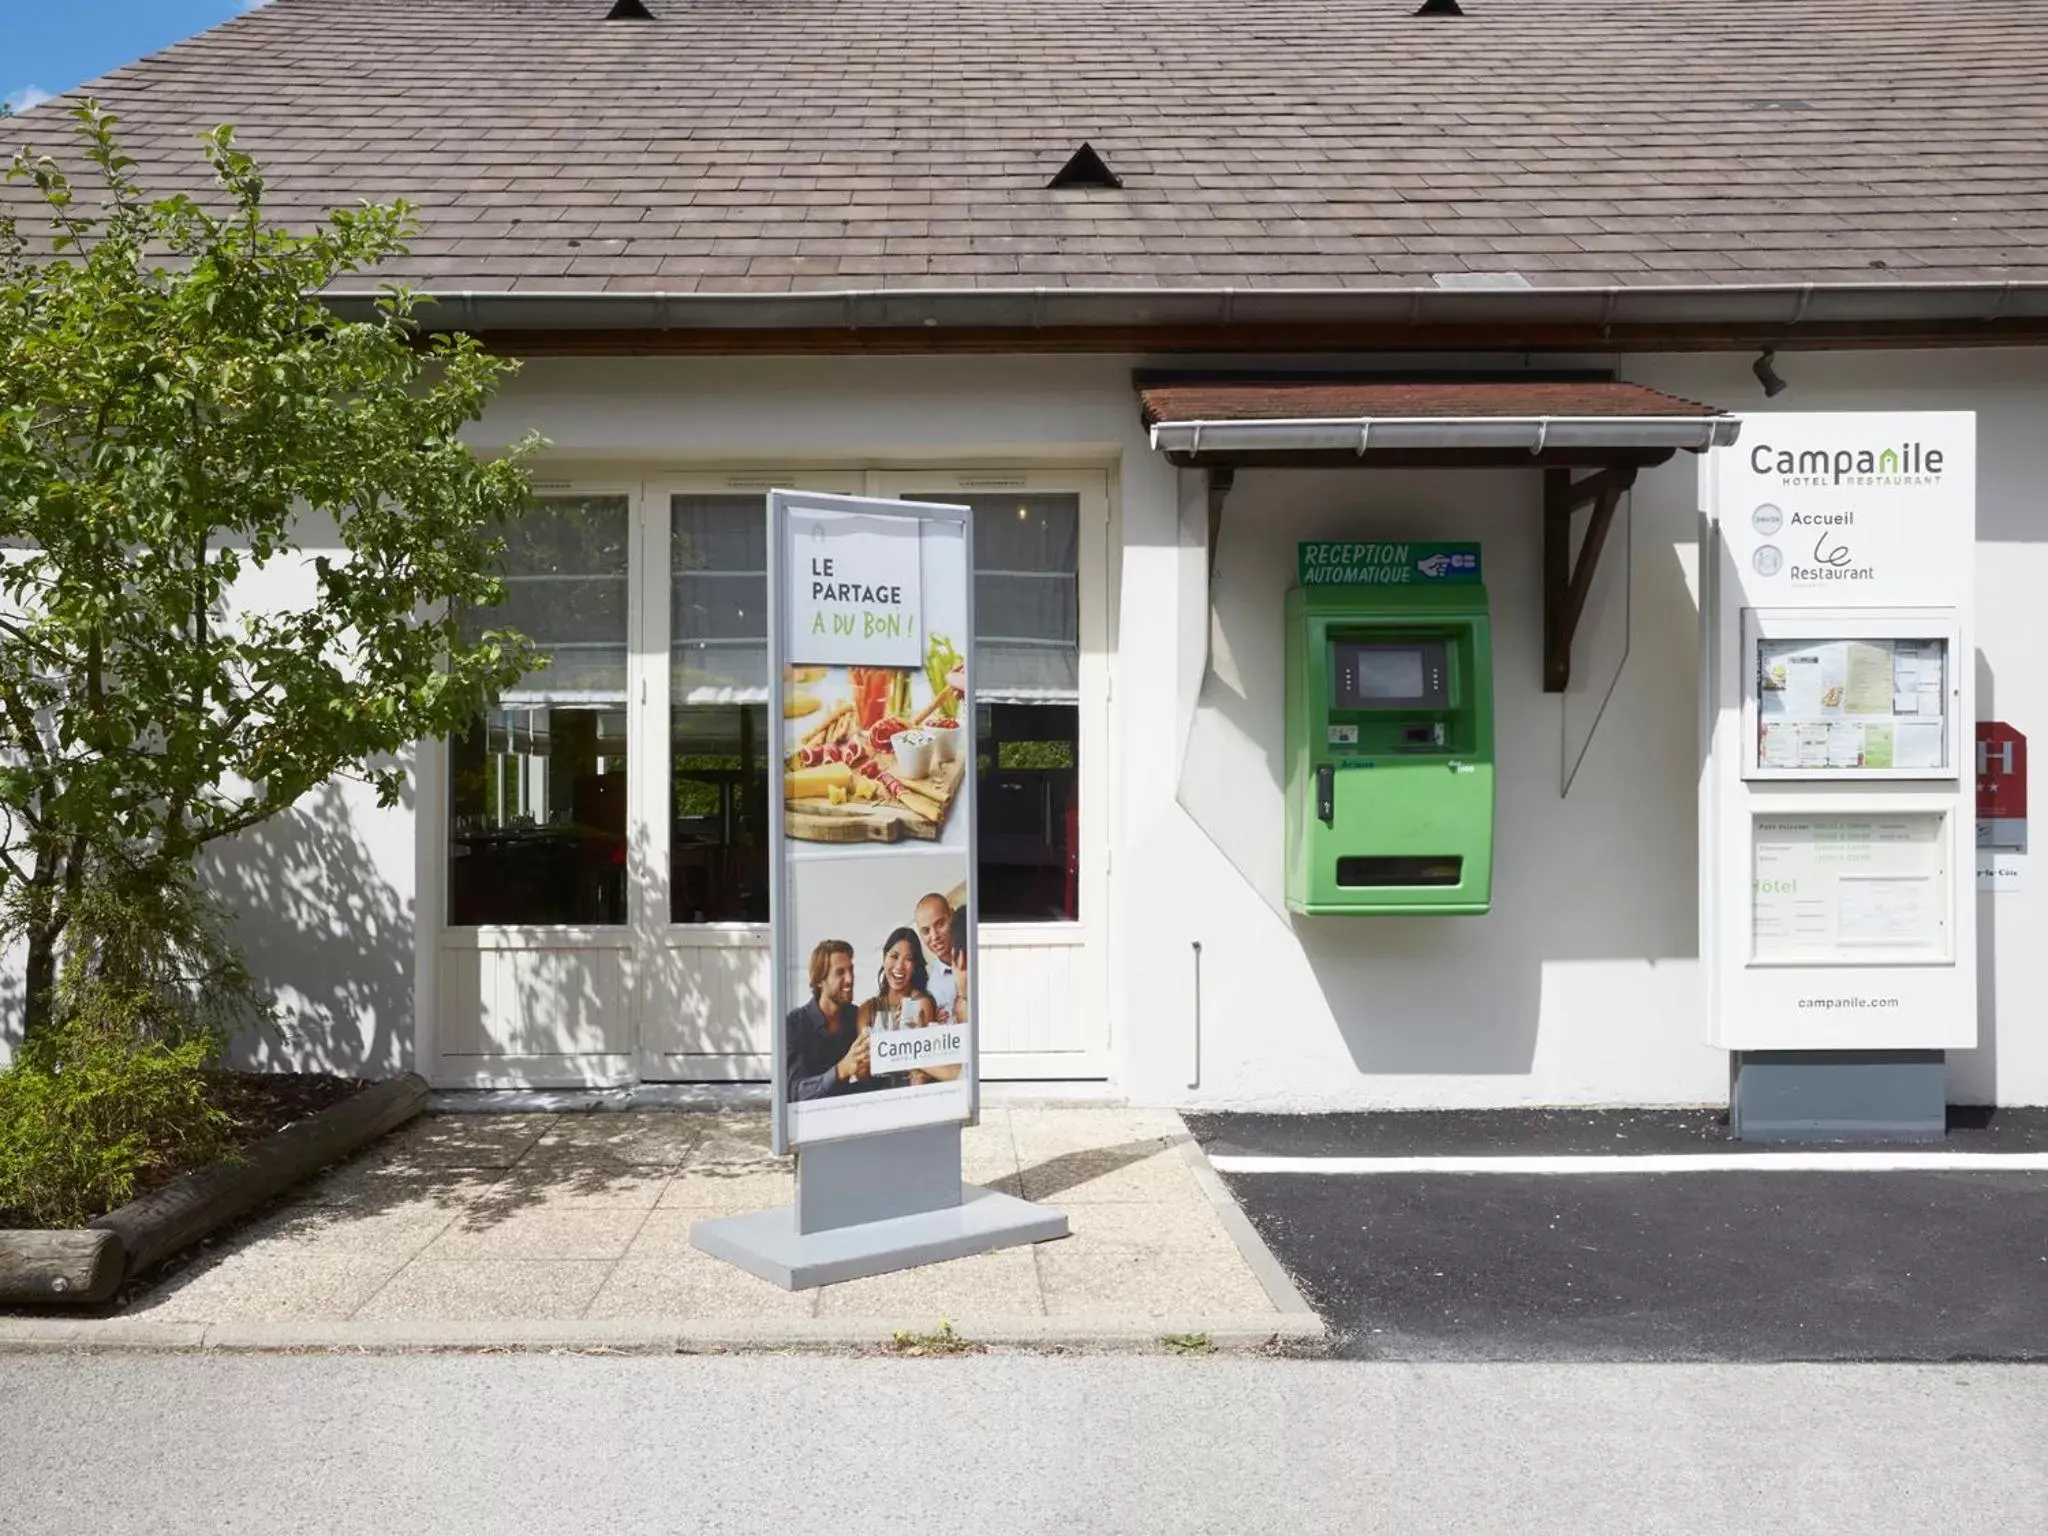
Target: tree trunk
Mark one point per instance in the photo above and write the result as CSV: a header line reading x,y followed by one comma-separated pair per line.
x,y
39,979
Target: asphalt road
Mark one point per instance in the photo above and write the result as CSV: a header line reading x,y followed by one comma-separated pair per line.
x,y
568,1445
1768,1266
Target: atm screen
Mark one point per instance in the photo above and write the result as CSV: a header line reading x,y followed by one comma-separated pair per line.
x,y
1383,676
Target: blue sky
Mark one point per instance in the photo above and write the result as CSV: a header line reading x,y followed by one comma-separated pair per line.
x,y
47,46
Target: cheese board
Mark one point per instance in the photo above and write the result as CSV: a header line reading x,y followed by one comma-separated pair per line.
x,y
879,821
864,761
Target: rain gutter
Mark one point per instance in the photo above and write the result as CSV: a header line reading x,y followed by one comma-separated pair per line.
x,y
1535,433
1789,307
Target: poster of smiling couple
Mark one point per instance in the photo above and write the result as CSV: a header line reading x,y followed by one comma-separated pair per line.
x,y
874,817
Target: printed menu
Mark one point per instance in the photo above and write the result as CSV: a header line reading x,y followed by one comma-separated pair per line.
x,y
1833,705
1848,886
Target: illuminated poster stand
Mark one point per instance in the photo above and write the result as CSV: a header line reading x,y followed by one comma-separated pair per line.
x,y
1837,815
873,984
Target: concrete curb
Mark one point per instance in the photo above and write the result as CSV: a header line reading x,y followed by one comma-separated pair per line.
x,y
1271,1274
1233,1335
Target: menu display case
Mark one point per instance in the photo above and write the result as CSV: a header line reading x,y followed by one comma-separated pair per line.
x,y
1868,697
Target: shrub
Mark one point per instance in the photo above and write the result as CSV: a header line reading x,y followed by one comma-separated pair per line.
x,y
147,956
115,1096
88,1116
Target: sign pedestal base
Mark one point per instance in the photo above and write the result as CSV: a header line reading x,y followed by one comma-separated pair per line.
x,y
871,1206
1815,1096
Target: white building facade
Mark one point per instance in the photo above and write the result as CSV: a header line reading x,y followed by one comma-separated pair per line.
x,y
576,893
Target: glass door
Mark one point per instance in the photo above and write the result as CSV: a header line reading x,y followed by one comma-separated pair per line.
x,y
1041,667
704,970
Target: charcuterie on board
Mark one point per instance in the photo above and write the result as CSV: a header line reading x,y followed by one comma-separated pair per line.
x,y
874,766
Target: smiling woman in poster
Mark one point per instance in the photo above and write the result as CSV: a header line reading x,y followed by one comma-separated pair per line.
x,y
903,1001
903,998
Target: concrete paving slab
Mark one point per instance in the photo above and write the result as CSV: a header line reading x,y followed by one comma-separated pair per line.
x,y
376,1182
521,1233
1003,1283
728,1189
1130,1171
402,1226
602,1232
1188,1224
272,1287
658,1140
988,1151
1044,1132
665,1234
463,1141
739,1136
488,1289
544,1183
694,1285
988,1170
1151,1283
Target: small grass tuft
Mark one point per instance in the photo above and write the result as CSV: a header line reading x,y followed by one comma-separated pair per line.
x,y
942,1342
1187,1344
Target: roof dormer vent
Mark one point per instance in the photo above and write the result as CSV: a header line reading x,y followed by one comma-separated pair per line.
x,y
1085,168
628,10
1440,8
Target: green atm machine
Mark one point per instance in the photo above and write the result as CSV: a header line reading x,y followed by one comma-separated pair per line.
x,y
1389,731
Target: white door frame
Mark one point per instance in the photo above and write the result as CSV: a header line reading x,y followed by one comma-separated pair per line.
x,y
648,942
1085,940
660,940
445,956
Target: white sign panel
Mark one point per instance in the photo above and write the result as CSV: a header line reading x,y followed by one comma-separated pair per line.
x,y
1849,510
853,593
873,816
1998,870
1837,853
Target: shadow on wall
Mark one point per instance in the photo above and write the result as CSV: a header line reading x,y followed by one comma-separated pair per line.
x,y
325,929
1606,875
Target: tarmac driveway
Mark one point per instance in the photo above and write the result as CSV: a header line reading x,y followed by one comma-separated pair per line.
x,y
1828,1259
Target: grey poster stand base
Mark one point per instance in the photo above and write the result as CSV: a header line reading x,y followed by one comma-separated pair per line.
x,y
1840,1096
873,1205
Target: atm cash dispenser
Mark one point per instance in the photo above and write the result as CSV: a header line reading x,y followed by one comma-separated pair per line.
x,y
1389,731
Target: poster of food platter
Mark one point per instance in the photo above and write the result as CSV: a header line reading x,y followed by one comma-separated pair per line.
x,y
872,890
874,753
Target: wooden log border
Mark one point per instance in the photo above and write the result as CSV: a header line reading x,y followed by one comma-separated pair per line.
x,y
85,1266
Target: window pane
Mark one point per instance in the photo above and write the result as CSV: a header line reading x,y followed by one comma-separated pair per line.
x,y
718,688
537,787
1027,677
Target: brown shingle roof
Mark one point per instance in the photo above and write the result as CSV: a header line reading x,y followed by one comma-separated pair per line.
x,y
747,146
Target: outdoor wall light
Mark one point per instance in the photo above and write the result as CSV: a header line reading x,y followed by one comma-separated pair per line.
x,y
1766,375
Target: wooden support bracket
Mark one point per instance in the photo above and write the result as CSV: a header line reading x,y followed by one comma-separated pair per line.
x,y
1567,581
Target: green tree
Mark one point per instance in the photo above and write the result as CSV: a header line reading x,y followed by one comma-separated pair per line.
x,y
239,536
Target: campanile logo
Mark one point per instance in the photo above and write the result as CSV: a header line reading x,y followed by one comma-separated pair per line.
x,y
1910,463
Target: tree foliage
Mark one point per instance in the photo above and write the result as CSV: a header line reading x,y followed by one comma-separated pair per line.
x,y
242,542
